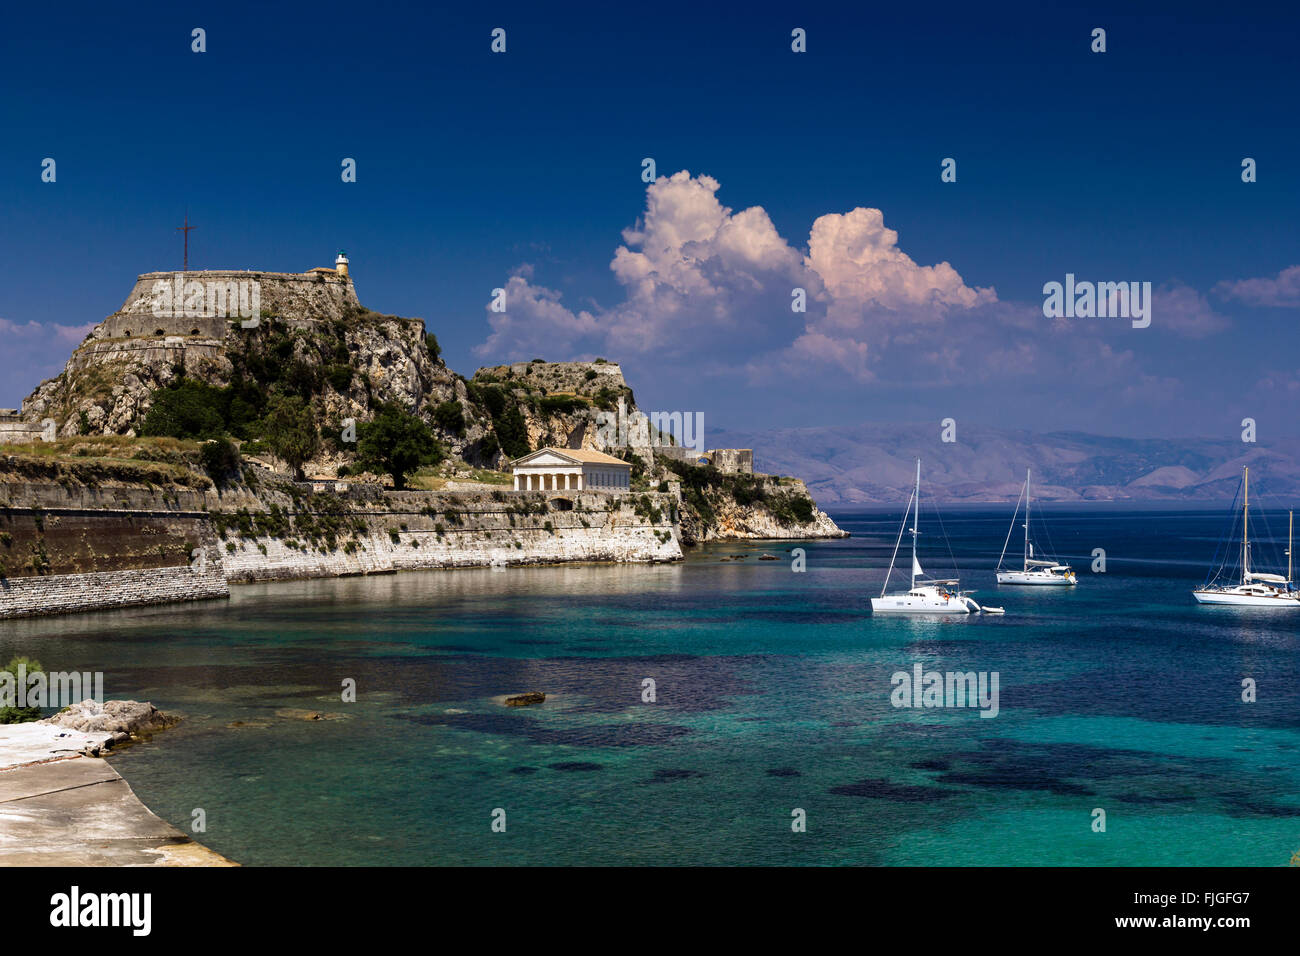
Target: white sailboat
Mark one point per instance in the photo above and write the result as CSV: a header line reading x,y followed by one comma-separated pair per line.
x,y
1034,570
925,596
1256,588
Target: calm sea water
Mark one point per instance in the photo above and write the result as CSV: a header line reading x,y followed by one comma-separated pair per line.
x,y
773,693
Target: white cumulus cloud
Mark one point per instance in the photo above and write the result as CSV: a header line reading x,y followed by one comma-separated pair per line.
x,y
695,273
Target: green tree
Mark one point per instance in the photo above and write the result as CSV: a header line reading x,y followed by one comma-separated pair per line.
x,y
220,459
513,433
9,682
187,409
289,430
450,417
397,442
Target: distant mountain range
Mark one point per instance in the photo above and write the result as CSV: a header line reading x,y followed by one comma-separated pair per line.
x,y
874,464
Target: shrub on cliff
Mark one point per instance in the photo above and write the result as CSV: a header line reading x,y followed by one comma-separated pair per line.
x,y
289,430
187,409
606,398
512,432
561,404
339,376
220,460
747,490
450,417
488,448
791,508
396,443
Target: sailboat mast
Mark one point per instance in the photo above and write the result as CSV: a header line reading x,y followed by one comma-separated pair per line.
x,y
1245,525
1290,543
1026,519
916,520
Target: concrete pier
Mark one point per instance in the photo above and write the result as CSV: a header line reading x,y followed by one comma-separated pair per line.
x,y
71,810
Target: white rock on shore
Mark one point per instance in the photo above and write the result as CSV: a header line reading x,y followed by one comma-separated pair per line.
x,y
86,728
118,717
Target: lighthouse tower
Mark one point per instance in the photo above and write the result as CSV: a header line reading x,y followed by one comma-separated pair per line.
x,y
341,264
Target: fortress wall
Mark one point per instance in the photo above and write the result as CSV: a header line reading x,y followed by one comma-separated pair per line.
x,y
153,308
142,325
120,498
117,546
66,593
19,433
188,349
40,542
735,461
419,530
732,461
310,295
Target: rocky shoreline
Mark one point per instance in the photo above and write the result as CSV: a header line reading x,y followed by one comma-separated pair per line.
x,y
62,805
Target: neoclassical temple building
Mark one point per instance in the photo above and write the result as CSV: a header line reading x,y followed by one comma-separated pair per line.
x,y
571,469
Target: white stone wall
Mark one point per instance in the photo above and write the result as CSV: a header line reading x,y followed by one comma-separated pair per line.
x,y
486,532
618,536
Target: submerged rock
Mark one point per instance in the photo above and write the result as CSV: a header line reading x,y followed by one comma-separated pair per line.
x,y
293,713
525,700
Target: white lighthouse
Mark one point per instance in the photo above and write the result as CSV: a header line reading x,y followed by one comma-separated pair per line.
x,y
341,264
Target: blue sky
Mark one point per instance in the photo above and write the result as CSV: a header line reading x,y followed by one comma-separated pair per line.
x,y
523,170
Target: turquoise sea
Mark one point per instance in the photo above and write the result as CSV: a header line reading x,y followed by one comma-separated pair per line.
x,y
772,694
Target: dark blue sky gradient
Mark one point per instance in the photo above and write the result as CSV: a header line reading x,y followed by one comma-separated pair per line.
x,y
1120,166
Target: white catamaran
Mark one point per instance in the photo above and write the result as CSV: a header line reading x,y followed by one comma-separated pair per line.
x,y
925,596
1035,570
1255,589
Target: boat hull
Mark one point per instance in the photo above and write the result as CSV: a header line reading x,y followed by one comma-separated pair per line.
x,y
912,604
1246,600
1040,579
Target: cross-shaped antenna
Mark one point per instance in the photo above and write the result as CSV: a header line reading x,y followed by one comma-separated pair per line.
x,y
186,230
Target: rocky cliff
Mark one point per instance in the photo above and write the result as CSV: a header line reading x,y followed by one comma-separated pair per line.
x,y
232,341
344,359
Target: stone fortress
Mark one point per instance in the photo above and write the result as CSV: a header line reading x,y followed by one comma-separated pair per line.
x,y
205,303
14,430
181,318
83,535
